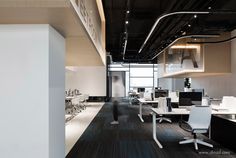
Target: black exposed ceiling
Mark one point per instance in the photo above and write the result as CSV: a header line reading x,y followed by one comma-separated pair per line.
x,y
143,14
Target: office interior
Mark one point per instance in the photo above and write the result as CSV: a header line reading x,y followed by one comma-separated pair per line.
x,y
176,64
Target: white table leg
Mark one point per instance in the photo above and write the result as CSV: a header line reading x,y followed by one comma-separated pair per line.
x,y
140,115
154,125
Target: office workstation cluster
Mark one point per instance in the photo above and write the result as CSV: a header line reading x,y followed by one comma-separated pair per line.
x,y
188,103
176,64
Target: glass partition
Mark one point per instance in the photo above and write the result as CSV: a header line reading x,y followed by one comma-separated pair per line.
x,y
138,75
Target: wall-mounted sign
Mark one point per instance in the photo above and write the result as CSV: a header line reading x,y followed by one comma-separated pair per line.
x,y
89,15
87,19
182,57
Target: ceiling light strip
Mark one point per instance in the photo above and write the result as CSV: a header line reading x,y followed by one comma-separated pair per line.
x,y
124,49
213,42
187,36
164,16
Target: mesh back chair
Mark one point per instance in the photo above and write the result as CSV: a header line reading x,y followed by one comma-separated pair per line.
x,y
199,121
75,102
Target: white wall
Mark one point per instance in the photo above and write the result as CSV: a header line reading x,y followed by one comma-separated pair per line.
x,y
88,80
233,64
31,96
178,84
218,86
172,84
165,83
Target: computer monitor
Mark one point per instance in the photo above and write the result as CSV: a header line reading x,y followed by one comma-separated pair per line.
x,y
141,90
190,98
161,93
199,90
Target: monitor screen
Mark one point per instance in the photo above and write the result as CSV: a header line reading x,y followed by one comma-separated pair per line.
x,y
190,98
199,90
157,88
161,93
141,90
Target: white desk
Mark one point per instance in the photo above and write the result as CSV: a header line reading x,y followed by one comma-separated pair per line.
x,y
179,111
141,102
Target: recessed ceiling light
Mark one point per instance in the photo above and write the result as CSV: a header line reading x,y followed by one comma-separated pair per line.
x,y
127,11
209,7
195,39
195,16
127,22
189,25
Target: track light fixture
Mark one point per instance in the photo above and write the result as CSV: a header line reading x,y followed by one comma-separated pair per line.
x,y
164,16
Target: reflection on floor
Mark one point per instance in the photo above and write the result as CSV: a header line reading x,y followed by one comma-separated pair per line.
x,y
75,127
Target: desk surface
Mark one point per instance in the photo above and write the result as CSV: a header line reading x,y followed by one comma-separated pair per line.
x,y
142,100
69,97
72,97
181,111
175,111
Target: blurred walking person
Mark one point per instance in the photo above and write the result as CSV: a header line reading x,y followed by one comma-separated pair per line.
x,y
116,85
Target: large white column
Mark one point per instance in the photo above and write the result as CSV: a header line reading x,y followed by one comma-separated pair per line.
x,y
32,76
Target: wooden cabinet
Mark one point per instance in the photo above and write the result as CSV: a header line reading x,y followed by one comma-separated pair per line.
x,y
223,131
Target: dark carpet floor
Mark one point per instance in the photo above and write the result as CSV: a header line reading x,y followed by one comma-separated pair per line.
x,y
133,139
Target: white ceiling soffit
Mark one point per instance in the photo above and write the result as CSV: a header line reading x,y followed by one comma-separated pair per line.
x,y
34,3
58,13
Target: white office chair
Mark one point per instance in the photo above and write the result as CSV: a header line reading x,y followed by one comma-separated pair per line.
x,y
162,118
147,95
163,106
199,121
228,101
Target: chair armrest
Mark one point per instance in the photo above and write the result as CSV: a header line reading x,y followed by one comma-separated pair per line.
x,y
199,129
